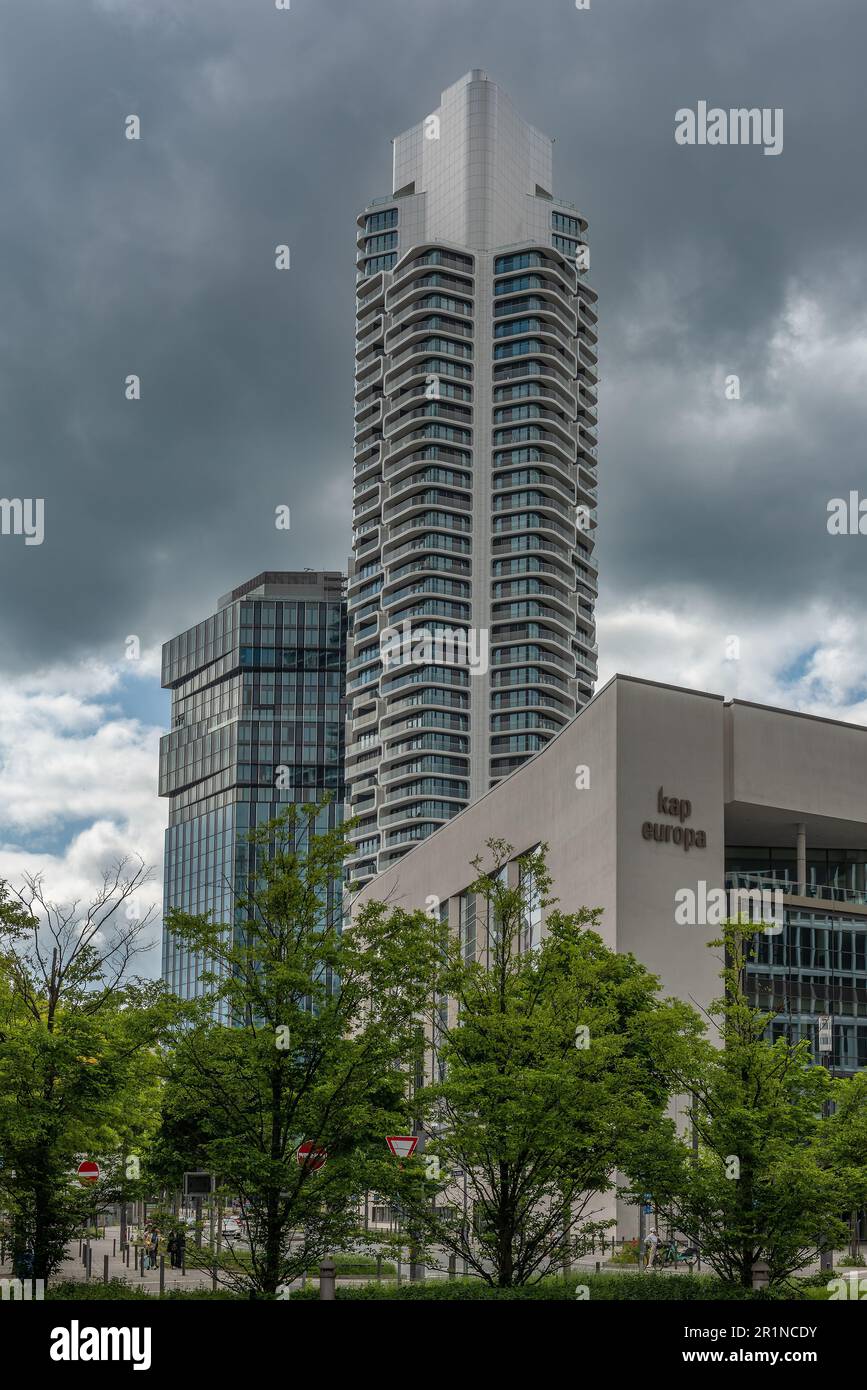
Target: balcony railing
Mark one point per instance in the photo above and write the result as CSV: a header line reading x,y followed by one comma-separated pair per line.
x,y
823,892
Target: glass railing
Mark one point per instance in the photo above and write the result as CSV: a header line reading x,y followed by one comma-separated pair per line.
x,y
824,892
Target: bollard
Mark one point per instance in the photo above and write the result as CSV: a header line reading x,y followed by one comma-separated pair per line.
x,y
105,1269
142,1261
89,1271
162,1274
452,1266
214,1279
114,1247
379,1269
398,1267
327,1279
598,1266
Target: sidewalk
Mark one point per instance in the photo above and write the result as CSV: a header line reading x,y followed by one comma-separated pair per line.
x,y
73,1268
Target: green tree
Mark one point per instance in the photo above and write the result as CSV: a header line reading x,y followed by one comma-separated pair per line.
x,y
322,1025
543,1081
78,1066
757,1187
844,1143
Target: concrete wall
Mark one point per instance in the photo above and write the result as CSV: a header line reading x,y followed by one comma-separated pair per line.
x,y
792,761
670,739
539,802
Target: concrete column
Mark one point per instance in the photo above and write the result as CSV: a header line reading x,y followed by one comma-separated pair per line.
x,y
802,859
327,1272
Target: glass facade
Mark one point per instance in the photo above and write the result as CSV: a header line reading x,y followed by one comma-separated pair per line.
x,y
257,723
818,964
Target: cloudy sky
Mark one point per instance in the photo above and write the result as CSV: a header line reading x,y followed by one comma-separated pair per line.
x,y
262,126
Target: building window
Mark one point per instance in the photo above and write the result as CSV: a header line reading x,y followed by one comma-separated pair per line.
x,y
467,925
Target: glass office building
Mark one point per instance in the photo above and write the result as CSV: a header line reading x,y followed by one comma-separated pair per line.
x,y
257,722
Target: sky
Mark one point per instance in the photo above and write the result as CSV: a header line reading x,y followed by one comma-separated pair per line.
x,y
262,127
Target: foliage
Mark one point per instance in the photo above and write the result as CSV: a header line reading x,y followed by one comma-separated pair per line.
x,y
549,1084
321,1027
758,1187
79,1066
606,1288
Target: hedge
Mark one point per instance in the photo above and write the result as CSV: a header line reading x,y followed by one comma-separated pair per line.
x,y
603,1287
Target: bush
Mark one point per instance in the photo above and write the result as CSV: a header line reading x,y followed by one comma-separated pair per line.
x,y
627,1255
351,1266
602,1287
116,1290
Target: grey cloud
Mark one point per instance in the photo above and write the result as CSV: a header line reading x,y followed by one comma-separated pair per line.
x,y
259,127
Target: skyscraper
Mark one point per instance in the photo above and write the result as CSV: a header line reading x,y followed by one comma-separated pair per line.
x,y
475,471
258,722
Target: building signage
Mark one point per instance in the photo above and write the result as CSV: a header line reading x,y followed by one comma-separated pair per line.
x,y
673,831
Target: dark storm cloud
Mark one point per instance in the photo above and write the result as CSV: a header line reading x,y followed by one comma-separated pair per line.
x,y
261,127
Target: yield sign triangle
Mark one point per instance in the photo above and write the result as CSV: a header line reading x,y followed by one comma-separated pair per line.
x,y
402,1145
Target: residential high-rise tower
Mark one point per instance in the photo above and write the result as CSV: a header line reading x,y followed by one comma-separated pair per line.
x,y
472,583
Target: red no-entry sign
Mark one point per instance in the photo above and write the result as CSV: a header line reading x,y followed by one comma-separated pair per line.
x,y
317,1156
88,1172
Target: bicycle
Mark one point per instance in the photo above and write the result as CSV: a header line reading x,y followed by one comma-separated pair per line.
x,y
670,1255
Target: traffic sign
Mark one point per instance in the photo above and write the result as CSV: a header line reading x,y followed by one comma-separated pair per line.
x,y
198,1184
313,1155
402,1145
88,1172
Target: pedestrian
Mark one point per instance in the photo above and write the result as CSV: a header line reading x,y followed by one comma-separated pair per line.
x,y
172,1248
651,1244
180,1246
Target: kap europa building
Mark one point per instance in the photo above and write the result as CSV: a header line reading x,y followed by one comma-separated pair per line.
x,y
475,505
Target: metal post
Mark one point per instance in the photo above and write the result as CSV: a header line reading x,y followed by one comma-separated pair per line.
x,y
105,1269
142,1253
802,859
114,1247
327,1279
89,1260
162,1274
379,1269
